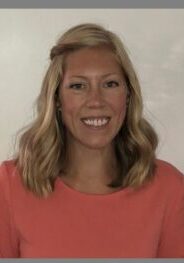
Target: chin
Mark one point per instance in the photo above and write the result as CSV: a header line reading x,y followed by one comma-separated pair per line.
x,y
96,145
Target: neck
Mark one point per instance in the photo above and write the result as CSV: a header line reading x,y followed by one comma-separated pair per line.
x,y
91,166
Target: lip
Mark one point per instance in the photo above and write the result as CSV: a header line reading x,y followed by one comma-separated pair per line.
x,y
96,117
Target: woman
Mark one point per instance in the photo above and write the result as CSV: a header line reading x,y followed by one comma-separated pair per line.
x,y
85,181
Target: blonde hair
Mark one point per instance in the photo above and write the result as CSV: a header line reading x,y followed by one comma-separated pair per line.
x,y
42,147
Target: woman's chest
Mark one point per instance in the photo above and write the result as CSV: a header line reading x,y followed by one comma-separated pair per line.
x,y
90,229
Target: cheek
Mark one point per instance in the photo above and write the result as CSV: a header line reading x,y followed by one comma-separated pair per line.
x,y
119,104
69,107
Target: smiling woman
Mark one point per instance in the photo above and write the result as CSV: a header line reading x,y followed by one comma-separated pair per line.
x,y
87,167
99,101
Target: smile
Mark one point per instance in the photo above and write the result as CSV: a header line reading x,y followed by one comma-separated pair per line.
x,y
96,122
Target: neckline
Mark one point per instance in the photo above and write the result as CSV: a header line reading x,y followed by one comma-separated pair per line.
x,y
73,191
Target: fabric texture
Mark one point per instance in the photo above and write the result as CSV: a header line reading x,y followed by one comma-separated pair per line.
x,y
146,223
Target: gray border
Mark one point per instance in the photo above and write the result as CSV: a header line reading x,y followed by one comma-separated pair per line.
x,y
93,260
91,4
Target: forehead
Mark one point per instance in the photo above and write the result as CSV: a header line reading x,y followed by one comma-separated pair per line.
x,y
96,58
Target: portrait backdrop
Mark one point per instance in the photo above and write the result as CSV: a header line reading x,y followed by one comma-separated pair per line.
x,y
155,42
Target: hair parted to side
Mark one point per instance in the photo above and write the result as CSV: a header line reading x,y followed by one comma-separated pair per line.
x,y
42,147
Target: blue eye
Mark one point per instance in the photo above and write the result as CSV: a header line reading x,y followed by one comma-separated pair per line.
x,y
76,86
111,84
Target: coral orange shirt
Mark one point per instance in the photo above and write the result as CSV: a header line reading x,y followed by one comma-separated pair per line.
x,y
146,223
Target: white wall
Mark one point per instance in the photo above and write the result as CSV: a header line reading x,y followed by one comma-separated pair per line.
x,y
155,40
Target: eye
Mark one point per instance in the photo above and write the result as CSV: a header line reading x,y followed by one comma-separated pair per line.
x,y
76,86
111,84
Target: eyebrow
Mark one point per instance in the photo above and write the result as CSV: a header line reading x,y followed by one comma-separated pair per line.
x,y
103,76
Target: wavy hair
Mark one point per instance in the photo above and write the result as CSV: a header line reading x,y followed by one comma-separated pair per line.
x,y
41,154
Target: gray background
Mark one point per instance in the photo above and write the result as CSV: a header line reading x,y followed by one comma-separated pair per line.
x,y
10,116
155,43
92,4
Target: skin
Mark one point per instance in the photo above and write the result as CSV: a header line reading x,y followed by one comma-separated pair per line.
x,y
93,86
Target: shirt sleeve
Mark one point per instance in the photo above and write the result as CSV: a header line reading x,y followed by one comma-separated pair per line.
x,y
9,247
172,237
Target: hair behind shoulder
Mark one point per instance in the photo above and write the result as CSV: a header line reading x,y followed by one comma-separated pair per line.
x,y
42,147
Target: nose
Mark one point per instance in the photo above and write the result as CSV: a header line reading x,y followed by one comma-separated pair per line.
x,y
95,98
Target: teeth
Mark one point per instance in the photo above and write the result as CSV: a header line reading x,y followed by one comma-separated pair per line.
x,y
96,122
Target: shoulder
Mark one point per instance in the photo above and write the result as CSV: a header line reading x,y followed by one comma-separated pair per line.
x,y
166,184
168,179
9,175
8,169
166,172
7,166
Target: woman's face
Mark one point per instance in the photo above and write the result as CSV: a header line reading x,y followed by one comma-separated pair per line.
x,y
93,97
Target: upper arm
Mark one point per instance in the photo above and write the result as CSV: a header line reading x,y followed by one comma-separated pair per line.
x,y
172,236
8,236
